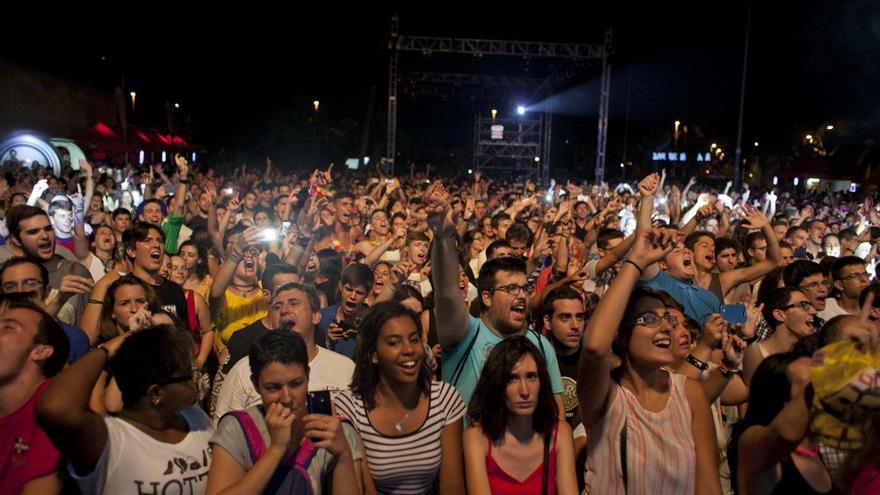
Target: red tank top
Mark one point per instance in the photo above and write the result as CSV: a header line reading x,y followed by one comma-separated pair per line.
x,y
193,322
501,482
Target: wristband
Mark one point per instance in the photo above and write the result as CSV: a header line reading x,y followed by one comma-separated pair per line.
x,y
633,263
725,371
696,363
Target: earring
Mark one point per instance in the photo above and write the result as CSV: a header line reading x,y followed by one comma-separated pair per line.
x,y
156,402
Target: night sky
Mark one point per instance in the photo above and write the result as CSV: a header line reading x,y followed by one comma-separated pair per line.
x,y
810,63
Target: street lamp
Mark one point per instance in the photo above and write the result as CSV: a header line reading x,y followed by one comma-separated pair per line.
x,y
317,104
756,144
133,97
494,114
677,123
713,146
829,127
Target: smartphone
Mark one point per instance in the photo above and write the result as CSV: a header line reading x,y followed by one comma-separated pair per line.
x,y
349,328
269,235
228,191
319,402
734,313
285,227
800,253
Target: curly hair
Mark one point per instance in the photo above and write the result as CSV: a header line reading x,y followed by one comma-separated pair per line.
x,y
366,373
488,406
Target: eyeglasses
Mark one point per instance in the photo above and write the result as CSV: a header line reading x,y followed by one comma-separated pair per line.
x,y
804,305
27,285
815,285
512,289
653,319
861,277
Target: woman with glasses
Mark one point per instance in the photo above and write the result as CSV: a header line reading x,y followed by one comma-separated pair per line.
x,y
516,443
158,441
791,315
410,424
650,430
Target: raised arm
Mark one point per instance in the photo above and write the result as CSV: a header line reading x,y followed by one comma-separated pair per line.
x,y
451,312
594,382
177,206
63,410
755,220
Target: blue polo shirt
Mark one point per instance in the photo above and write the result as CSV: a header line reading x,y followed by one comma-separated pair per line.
x,y
698,303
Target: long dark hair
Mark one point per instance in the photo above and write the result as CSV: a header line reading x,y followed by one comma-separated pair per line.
x,y
488,406
366,374
202,265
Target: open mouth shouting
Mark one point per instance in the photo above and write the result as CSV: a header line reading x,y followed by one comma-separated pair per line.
x,y
518,310
45,248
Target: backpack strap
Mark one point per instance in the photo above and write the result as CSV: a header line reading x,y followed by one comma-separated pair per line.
x,y
252,435
459,368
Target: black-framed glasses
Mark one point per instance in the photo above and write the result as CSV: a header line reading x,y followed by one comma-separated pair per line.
x,y
512,289
176,379
27,285
861,277
653,319
815,285
804,305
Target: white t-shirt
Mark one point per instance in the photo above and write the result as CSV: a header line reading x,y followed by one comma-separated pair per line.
x,y
832,309
328,371
96,267
134,462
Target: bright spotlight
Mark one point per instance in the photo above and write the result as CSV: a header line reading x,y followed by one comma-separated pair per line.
x,y
521,110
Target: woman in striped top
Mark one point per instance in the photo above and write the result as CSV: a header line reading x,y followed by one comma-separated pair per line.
x,y
648,431
410,425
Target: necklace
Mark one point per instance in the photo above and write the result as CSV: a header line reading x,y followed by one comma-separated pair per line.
x,y
398,426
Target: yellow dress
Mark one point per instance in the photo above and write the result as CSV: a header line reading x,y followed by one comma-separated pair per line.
x,y
237,313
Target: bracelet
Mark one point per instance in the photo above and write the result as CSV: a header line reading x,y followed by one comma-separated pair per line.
x,y
102,347
95,301
726,372
696,363
633,263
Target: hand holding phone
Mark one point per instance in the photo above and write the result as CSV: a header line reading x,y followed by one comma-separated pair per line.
x,y
734,313
319,402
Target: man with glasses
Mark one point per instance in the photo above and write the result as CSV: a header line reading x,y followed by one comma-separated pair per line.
x,y
850,277
22,275
811,279
466,340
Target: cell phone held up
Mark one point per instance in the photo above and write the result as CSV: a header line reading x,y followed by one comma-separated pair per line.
x,y
319,402
734,314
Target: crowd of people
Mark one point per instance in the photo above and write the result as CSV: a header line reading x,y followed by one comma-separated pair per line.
x,y
180,329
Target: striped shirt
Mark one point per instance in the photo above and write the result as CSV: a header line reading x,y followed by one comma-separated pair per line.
x,y
406,464
660,454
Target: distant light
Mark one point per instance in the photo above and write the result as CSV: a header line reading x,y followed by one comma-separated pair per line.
x,y
713,146
751,175
809,138
852,187
141,157
677,123
316,104
811,181
521,110
622,165
133,94
537,159
470,171
164,156
829,127
796,181
775,180
756,144
194,156
707,171
366,160
177,105
494,113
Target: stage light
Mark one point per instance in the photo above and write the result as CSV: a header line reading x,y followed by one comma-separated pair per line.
x,y
521,110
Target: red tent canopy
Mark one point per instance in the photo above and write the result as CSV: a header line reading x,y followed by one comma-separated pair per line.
x,y
100,136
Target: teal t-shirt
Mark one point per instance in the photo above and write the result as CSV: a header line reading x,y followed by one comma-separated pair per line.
x,y
473,364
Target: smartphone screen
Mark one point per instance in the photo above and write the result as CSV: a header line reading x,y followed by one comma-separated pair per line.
x,y
319,402
269,235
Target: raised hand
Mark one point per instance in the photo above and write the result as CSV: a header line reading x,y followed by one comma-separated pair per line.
x,y
651,246
182,165
754,219
85,167
732,347
649,185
